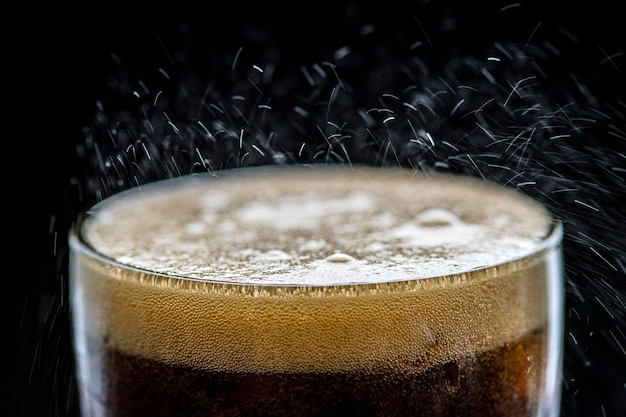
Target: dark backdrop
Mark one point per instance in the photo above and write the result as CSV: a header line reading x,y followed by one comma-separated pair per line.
x,y
56,64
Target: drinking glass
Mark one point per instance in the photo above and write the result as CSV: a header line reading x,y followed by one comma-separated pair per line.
x,y
318,291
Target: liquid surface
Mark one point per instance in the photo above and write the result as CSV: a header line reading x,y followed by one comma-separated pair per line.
x,y
316,226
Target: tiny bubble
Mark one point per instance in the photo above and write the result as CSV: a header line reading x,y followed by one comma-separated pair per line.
x,y
339,257
437,218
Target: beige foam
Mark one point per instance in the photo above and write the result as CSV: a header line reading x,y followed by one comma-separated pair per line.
x,y
313,270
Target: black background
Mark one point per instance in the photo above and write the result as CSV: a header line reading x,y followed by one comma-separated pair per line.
x,y
55,63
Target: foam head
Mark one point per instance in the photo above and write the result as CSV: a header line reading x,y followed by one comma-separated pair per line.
x,y
299,269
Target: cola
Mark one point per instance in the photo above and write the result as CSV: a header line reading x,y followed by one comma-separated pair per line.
x,y
318,291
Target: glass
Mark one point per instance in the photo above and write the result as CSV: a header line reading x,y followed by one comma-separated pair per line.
x,y
318,291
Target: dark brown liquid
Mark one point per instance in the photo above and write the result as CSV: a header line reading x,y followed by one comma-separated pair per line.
x,y
500,382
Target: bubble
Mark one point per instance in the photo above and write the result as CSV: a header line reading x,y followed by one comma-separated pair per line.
x,y
437,218
273,255
339,258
